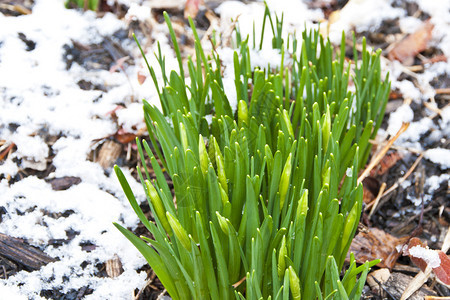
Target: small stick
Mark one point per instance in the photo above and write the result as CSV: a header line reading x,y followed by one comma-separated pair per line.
x,y
382,153
401,180
377,200
442,91
5,150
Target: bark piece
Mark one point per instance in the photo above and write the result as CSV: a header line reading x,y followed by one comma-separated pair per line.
x,y
398,282
17,251
377,277
114,267
63,183
108,154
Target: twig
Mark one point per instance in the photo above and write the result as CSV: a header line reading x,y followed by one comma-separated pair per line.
x,y
377,199
412,150
5,149
147,283
416,283
382,287
161,295
442,91
4,272
401,180
382,153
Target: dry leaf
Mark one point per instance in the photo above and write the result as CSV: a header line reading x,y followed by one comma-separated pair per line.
x,y
374,244
113,112
124,137
119,64
388,161
191,8
368,196
408,48
422,256
141,77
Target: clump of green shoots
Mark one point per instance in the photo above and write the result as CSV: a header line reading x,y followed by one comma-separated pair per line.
x,y
85,4
265,198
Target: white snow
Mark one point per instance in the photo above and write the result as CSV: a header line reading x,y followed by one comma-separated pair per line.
x,y
431,257
409,24
361,15
296,16
434,182
138,12
439,156
349,172
39,96
406,87
403,114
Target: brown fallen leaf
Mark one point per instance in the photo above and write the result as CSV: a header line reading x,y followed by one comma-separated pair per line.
x,y
394,95
141,77
388,161
413,44
377,244
435,59
191,8
422,256
124,137
119,64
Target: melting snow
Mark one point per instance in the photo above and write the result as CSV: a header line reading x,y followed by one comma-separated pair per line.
x,y
439,156
430,256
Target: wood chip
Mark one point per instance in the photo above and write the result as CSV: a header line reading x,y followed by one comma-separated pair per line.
x,y
114,267
18,251
377,278
397,283
108,154
63,183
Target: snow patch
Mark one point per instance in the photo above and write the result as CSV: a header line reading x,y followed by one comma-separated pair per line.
x,y
439,156
430,256
434,182
403,114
